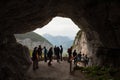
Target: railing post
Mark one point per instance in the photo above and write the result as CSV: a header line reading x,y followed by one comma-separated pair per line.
x,y
70,66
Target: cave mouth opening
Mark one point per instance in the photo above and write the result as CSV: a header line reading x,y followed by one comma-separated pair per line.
x,y
59,31
59,26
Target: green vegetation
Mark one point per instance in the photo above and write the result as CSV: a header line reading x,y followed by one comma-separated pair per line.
x,y
65,54
99,73
31,53
33,36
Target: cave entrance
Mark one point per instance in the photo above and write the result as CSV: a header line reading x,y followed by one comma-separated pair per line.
x,y
59,31
59,26
62,31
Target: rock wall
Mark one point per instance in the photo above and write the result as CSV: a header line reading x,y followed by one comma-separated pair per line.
x,y
87,43
14,59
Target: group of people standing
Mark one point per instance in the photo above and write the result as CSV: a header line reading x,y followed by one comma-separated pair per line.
x,y
58,53
77,57
48,54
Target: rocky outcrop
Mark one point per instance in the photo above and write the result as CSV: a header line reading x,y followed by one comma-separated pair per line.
x,y
14,59
87,43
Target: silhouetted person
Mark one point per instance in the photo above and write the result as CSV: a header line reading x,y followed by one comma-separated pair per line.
x,y
83,57
45,54
75,56
35,58
69,57
58,53
86,60
79,57
55,51
61,51
69,53
50,53
40,52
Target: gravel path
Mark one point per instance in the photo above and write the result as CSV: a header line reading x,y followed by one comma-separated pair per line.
x,y
58,71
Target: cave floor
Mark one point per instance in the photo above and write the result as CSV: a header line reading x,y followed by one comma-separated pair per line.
x,y
58,71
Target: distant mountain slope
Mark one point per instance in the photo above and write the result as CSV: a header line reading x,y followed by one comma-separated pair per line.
x,y
59,40
68,44
32,39
33,36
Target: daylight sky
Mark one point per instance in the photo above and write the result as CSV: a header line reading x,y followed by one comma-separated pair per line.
x,y
59,26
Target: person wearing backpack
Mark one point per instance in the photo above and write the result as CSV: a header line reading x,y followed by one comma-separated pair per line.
x,y
75,56
40,52
50,53
35,58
